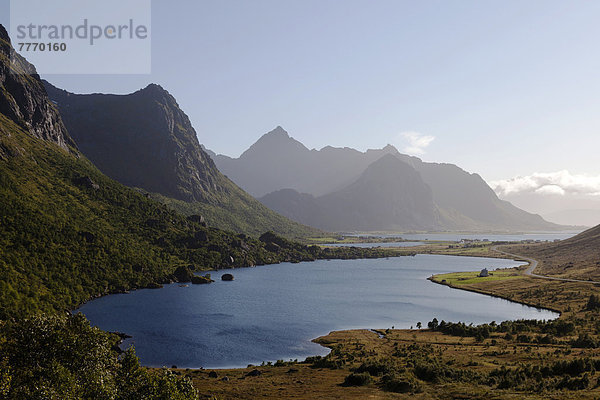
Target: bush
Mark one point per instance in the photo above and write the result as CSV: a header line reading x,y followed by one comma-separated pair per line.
x,y
63,357
376,367
584,341
358,379
593,303
401,383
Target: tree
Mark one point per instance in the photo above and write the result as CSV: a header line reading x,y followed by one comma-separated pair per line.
x,y
433,324
593,303
419,325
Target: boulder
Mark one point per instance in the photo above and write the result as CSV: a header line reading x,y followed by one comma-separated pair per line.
x,y
201,236
183,274
227,277
199,280
87,236
87,182
196,218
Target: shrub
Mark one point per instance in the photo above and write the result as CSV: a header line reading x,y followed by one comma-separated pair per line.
x,y
376,367
401,383
63,357
358,379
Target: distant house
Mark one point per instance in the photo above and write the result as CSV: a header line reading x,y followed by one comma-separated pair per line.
x,y
484,272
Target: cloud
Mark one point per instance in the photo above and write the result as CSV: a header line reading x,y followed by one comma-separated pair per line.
x,y
415,143
552,183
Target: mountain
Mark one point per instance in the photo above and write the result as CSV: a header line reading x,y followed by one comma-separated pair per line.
x,y
460,200
69,233
144,140
389,195
277,161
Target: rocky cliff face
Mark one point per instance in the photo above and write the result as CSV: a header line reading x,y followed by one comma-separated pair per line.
x,y
142,140
23,97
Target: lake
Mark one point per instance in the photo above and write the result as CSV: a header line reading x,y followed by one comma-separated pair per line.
x,y
382,244
272,312
495,237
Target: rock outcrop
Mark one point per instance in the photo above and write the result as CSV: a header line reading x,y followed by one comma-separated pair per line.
x,y
24,99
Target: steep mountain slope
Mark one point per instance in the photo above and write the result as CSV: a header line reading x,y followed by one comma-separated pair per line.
x,y
68,232
469,203
145,140
464,201
574,258
389,195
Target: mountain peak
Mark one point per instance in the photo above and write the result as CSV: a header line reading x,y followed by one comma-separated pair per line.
x,y
278,131
154,87
154,90
277,141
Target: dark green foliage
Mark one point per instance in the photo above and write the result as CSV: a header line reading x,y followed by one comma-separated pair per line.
x,y
585,341
571,374
401,383
323,362
593,303
377,367
358,379
433,324
435,371
63,357
556,327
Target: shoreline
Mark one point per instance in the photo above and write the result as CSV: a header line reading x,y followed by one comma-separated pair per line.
x,y
369,328
473,290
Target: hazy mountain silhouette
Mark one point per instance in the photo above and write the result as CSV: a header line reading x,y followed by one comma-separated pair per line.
x,y
389,195
278,161
458,200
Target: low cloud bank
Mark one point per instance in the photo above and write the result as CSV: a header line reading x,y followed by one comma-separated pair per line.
x,y
551,183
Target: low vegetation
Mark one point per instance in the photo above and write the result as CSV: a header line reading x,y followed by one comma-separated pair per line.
x,y
63,357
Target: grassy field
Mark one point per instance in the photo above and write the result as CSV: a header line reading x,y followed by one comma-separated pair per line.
x,y
467,278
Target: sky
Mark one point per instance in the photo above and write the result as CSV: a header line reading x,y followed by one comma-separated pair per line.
x,y
502,88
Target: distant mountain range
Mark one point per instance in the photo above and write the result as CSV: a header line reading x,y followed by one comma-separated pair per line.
x,y
144,140
345,189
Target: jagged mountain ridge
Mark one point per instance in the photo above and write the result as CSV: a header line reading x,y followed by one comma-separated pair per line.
x,y
463,200
145,140
277,161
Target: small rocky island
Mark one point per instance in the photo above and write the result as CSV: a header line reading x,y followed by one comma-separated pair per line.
x,y
227,277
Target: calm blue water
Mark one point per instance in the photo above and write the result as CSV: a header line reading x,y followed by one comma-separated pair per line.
x,y
272,312
498,237
388,244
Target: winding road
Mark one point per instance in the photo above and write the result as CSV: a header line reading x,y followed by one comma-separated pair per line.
x,y
533,263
